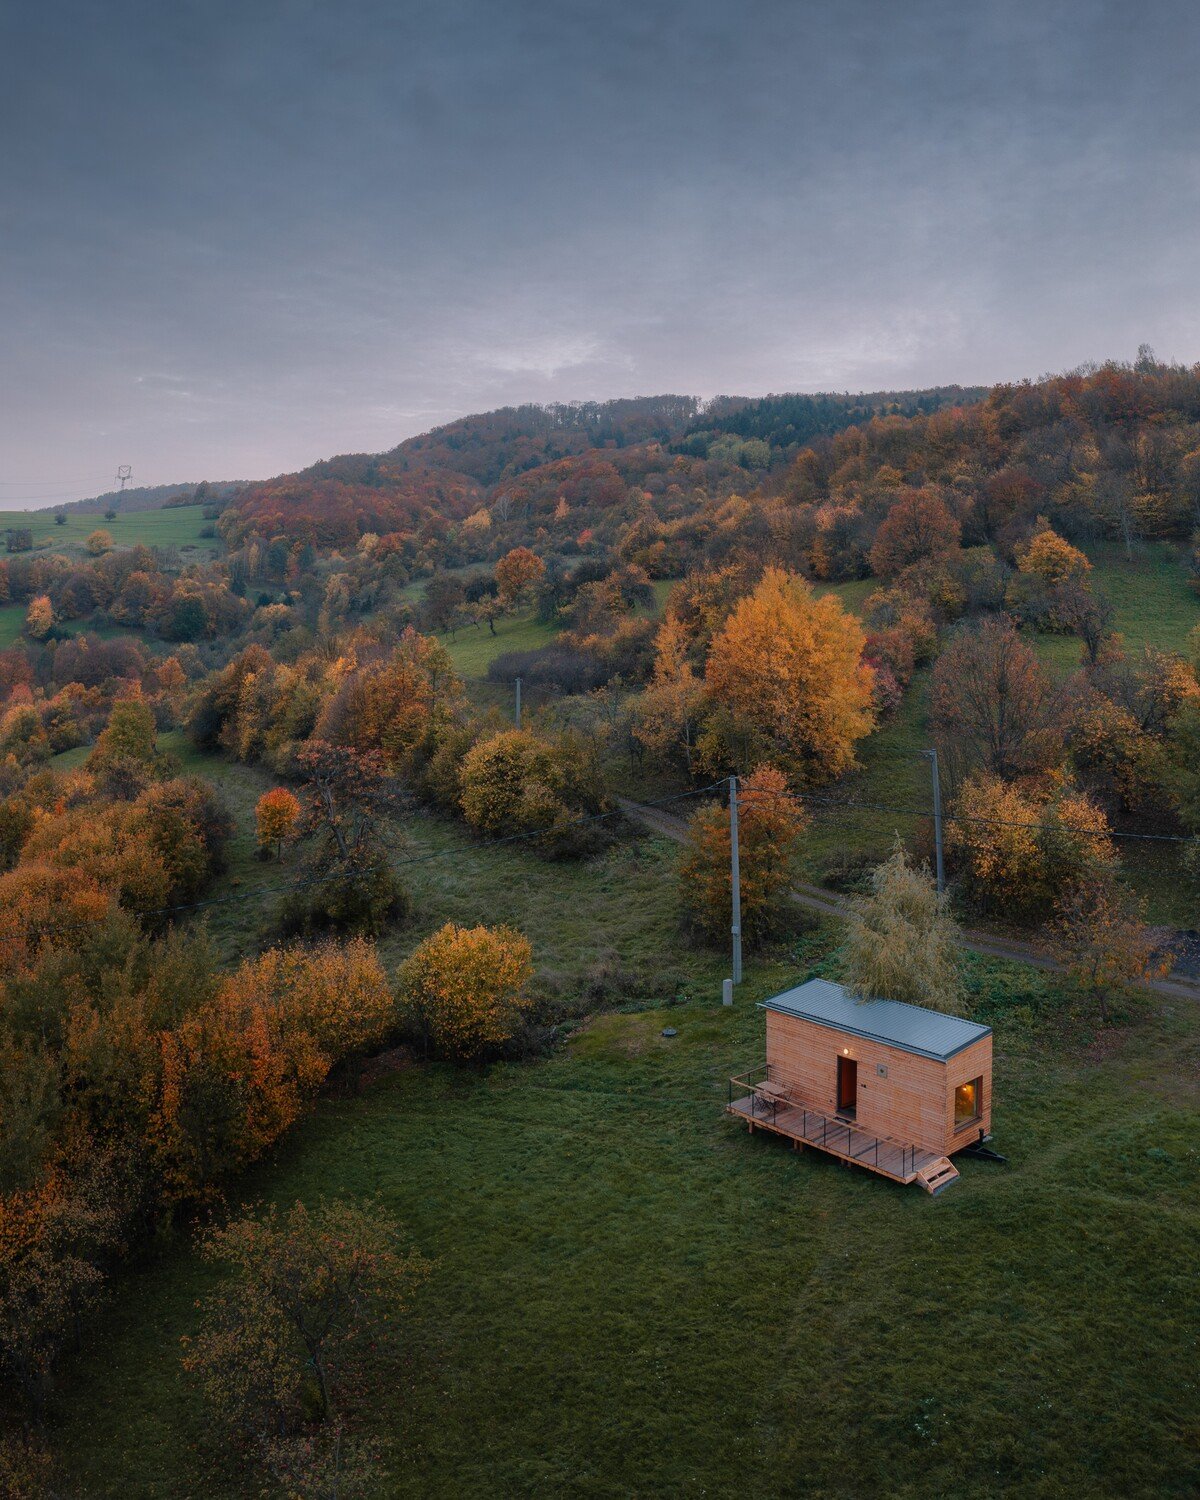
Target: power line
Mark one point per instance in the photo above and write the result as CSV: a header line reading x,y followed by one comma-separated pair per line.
x,y
923,812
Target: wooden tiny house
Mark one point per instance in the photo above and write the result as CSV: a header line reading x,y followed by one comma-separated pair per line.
x,y
886,1085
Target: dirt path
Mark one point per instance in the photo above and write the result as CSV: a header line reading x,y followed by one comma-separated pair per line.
x,y
830,904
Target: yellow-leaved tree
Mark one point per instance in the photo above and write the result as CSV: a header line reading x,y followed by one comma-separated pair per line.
x,y
902,943
1051,556
464,989
1018,847
787,673
668,712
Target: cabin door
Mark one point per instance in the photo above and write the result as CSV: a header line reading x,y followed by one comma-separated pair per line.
x,y
847,1085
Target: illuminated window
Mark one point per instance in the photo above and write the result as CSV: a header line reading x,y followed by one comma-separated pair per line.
x,y
968,1100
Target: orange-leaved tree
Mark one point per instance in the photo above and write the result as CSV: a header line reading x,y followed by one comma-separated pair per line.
x,y
276,814
464,989
516,573
238,1071
1100,937
397,705
1017,848
39,618
918,526
770,821
336,992
1051,556
788,672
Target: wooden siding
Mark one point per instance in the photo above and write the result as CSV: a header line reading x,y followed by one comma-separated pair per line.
x,y
913,1101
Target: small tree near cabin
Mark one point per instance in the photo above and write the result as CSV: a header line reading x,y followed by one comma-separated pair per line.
x,y
770,820
1099,935
276,816
902,943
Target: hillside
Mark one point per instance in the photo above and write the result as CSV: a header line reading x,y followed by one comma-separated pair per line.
x,y
291,910
596,455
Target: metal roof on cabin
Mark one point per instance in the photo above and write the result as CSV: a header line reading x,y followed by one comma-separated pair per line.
x,y
929,1033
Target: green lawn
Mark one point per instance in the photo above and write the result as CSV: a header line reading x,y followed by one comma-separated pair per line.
x,y
451,877
473,649
12,619
1155,605
180,526
631,1296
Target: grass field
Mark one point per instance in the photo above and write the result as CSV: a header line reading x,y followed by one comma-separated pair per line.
x,y
453,878
633,1297
1154,603
474,649
12,618
178,527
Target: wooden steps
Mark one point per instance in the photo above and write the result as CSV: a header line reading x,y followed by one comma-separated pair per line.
x,y
937,1176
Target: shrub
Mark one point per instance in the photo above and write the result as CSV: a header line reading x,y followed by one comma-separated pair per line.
x,y
556,669
520,782
365,898
464,989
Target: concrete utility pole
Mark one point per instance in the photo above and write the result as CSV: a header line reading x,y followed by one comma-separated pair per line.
x,y
937,821
736,880
518,703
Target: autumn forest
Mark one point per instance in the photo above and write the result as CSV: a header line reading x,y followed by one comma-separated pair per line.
x,y
268,814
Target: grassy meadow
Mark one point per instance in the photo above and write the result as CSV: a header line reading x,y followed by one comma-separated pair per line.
x,y
473,648
632,1296
180,526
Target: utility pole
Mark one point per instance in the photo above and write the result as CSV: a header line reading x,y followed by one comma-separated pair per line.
x,y
736,880
518,717
937,820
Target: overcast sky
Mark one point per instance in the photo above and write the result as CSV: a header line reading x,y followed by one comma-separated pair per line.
x,y
240,235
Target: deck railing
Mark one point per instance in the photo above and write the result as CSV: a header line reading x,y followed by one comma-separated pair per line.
x,y
768,1107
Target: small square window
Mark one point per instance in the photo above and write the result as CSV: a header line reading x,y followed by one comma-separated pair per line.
x,y
968,1102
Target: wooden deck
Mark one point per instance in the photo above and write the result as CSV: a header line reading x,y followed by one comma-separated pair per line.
x,y
837,1137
